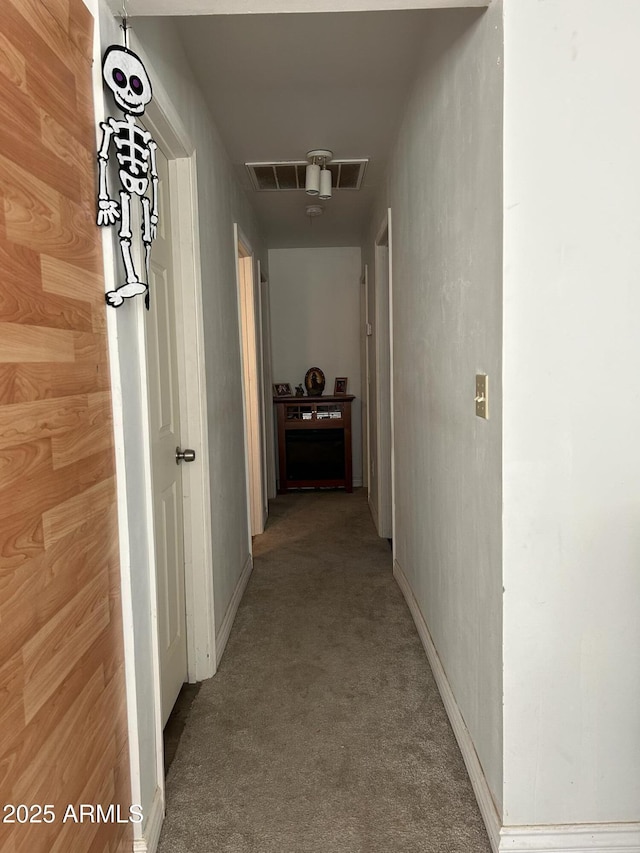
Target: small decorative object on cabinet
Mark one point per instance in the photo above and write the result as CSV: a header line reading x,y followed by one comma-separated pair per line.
x,y
314,382
282,389
340,385
314,443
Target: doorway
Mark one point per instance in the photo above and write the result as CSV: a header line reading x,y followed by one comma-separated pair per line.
x,y
250,316
267,414
365,346
383,450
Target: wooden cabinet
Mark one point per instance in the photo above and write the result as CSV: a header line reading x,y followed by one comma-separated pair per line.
x,y
314,442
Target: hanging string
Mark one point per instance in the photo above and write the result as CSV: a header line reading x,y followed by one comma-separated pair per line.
x,y
124,26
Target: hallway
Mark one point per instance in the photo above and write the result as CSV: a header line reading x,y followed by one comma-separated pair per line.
x,y
323,730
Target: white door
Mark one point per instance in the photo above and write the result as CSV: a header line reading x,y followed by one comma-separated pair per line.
x,y
164,419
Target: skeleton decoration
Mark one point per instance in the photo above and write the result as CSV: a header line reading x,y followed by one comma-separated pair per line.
x,y
135,152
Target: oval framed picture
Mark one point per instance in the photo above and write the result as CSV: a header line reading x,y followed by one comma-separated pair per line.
x,y
314,382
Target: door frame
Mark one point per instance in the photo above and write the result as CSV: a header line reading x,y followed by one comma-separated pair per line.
x,y
384,379
391,387
267,374
252,404
135,518
365,335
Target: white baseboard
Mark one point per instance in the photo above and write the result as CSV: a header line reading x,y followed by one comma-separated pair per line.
x,y
564,838
572,838
227,623
474,768
148,842
374,513
357,483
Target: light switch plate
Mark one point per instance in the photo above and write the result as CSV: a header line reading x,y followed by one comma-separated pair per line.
x,y
482,395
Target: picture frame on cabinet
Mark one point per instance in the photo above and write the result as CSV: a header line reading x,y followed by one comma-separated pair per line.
x,y
282,389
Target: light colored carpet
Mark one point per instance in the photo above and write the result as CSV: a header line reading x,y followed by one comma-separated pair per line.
x,y
323,731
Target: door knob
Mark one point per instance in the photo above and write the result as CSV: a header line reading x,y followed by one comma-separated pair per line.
x,y
185,455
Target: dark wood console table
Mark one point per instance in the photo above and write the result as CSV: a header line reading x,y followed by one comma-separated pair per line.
x,y
314,442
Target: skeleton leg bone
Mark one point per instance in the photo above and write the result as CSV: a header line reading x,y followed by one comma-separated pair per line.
x,y
133,285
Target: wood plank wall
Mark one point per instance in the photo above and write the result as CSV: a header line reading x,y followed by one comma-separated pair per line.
x,y
63,732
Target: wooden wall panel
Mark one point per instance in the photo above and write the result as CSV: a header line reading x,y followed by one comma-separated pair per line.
x,y
63,728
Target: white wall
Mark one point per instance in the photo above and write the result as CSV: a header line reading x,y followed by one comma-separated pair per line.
x,y
445,193
315,322
571,412
221,203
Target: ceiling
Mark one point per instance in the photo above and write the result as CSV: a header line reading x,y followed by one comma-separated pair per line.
x,y
254,7
280,85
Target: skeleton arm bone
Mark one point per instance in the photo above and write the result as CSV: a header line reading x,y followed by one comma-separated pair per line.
x,y
108,210
154,188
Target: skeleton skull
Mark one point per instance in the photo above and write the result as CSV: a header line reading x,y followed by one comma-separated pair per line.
x,y
125,75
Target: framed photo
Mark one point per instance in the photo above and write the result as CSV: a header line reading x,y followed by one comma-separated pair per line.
x,y
340,385
282,389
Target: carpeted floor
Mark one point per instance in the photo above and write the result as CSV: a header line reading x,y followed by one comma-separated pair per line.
x,y
323,731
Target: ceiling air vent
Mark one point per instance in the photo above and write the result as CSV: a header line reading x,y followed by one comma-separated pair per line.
x,y
290,174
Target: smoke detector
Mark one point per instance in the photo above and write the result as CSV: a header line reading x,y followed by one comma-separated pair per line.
x,y
314,210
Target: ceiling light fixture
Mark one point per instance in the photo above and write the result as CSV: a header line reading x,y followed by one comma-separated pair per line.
x,y
317,180
325,183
